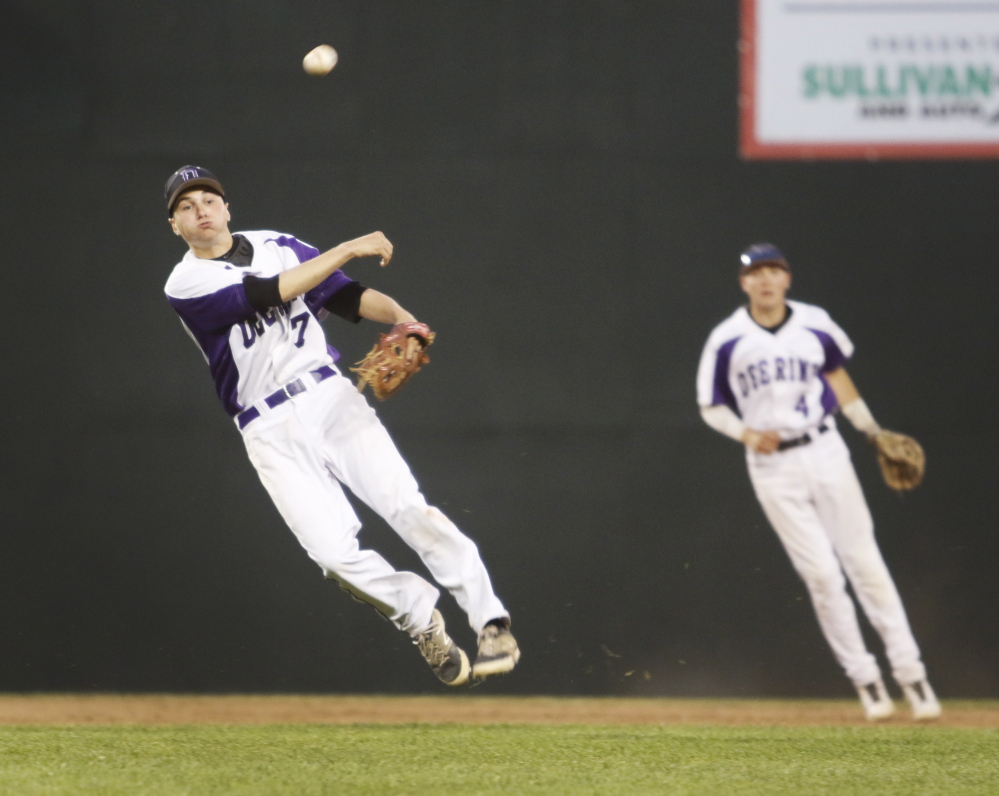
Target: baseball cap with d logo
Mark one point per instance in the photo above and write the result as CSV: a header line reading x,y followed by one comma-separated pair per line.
x,y
187,177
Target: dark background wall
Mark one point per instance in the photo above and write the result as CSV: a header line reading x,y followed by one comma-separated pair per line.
x,y
562,186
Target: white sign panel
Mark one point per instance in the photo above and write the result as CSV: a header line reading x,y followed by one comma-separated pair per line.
x,y
883,78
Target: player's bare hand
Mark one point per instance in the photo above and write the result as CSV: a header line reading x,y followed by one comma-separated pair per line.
x,y
374,244
761,441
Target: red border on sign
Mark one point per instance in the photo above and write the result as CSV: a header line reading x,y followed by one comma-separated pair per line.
x,y
752,149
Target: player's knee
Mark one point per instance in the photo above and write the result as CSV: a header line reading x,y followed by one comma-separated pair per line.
x,y
875,584
427,528
825,584
866,566
336,558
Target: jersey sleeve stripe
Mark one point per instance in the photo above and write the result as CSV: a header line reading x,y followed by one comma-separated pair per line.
x,y
722,392
828,398
217,310
835,358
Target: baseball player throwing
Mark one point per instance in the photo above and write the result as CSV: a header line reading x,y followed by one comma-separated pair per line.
x,y
772,376
253,302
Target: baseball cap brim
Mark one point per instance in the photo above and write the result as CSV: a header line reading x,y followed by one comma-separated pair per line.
x,y
192,184
782,264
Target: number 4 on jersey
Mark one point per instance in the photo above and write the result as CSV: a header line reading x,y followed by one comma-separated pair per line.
x,y
801,406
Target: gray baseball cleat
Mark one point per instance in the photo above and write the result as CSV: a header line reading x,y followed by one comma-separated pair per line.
x,y
922,700
877,704
448,661
498,651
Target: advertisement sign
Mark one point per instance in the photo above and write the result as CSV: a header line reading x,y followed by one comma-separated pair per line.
x,y
877,79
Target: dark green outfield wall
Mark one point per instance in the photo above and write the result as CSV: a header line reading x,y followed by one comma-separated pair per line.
x,y
561,183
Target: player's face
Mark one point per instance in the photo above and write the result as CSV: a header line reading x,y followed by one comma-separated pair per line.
x,y
200,217
766,286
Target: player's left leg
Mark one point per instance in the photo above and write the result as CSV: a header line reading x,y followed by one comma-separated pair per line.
x,y
362,455
840,503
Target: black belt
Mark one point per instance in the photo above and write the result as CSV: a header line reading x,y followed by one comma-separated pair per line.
x,y
804,439
290,390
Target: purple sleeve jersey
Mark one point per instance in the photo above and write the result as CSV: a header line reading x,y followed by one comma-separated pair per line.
x,y
251,354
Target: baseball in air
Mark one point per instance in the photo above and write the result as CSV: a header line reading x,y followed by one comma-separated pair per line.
x,y
320,61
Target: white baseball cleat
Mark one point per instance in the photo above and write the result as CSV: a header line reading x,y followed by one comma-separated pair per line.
x,y
498,651
448,661
877,704
922,700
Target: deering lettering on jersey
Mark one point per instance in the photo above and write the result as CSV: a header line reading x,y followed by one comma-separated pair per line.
x,y
774,378
767,371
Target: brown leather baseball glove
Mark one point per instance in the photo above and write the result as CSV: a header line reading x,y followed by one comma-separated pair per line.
x,y
386,367
902,460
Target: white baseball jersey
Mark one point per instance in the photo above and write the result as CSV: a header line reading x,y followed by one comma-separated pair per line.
x,y
774,379
252,354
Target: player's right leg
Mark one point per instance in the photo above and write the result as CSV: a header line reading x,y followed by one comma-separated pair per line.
x,y
787,503
844,512
362,455
783,492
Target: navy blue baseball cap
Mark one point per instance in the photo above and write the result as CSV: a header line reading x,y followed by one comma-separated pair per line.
x,y
762,254
186,178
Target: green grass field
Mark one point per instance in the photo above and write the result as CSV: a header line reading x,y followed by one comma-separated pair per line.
x,y
469,759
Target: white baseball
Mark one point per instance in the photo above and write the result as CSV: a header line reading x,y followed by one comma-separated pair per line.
x,y
320,60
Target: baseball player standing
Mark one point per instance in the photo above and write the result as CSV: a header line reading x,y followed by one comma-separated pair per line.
x,y
771,376
253,302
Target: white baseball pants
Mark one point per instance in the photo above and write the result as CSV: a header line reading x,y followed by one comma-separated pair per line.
x,y
813,499
329,436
